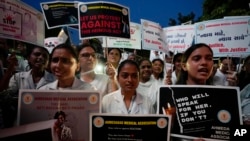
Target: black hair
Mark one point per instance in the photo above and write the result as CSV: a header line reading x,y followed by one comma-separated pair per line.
x,y
176,56
184,74
144,59
161,75
246,59
84,45
130,62
58,113
120,52
95,44
72,50
29,52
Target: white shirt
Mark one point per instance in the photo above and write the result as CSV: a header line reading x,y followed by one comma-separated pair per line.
x,y
100,83
149,89
77,85
24,80
220,79
114,103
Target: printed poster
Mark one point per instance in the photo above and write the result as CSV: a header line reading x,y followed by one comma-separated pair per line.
x,y
103,19
133,43
226,37
179,38
129,127
60,13
201,111
153,37
42,105
19,21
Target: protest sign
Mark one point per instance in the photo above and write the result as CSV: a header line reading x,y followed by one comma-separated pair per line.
x,y
35,106
201,111
60,13
21,22
226,37
103,19
129,127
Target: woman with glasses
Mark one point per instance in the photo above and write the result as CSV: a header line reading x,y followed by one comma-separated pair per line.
x,y
64,64
88,58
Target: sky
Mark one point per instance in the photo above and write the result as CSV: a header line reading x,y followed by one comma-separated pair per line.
x,y
159,11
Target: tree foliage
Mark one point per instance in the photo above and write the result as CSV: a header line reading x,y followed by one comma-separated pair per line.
x,y
215,9
218,9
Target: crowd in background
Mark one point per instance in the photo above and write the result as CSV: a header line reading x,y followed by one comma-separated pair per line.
x,y
126,87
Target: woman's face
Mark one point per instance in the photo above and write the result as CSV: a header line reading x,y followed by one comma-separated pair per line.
x,y
38,58
61,119
146,69
157,67
199,66
177,63
114,56
87,59
63,64
128,78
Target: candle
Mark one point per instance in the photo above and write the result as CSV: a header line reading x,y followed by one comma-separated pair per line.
x,y
170,110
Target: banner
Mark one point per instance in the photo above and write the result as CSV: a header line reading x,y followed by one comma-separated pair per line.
x,y
201,111
226,37
103,19
153,36
41,105
19,21
60,13
129,127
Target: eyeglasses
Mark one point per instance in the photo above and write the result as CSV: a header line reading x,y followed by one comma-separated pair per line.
x,y
87,55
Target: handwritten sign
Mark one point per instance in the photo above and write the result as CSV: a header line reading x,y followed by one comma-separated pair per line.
x,y
202,111
153,36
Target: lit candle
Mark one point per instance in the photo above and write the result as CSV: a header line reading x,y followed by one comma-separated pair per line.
x,y
170,110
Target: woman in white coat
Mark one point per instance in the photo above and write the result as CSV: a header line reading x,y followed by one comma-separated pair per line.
x,y
126,100
64,64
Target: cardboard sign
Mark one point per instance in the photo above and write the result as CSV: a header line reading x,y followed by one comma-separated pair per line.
x,y
201,111
129,127
41,105
103,19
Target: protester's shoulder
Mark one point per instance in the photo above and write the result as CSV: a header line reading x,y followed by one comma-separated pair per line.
x,y
102,77
110,96
245,92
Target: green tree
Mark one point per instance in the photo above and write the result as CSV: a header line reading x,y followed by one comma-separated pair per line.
x,y
215,9
218,9
182,19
